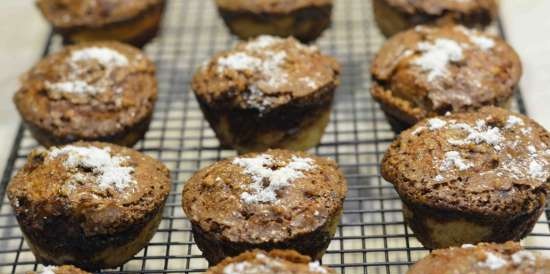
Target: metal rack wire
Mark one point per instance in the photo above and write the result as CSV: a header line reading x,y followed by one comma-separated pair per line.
x,y
372,237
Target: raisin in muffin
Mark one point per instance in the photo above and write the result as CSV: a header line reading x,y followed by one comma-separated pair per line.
x,y
274,200
268,93
272,262
92,205
303,19
65,269
102,91
393,16
484,258
131,21
428,71
471,177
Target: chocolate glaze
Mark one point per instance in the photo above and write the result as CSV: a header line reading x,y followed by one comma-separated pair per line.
x,y
473,259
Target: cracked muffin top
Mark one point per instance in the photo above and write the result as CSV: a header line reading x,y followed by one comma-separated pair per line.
x,y
492,162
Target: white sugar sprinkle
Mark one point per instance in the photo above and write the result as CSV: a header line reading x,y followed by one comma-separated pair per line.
x,y
482,41
76,86
453,159
523,256
105,56
436,56
468,246
536,170
439,178
436,123
316,267
49,270
108,169
479,134
259,168
238,61
493,261
514,121
262,42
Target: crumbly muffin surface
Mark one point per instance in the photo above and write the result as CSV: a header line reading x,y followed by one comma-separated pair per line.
x,y
492,162
102,187
265,73
92,13
270,6
265,197
508,258
275,261
427,71
64,269
440,7
89,90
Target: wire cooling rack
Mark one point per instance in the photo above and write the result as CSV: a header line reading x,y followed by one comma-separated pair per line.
x,y
372,237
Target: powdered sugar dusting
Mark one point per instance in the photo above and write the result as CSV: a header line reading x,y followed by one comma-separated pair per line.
x,y
436,123
482,41
523,256
262,42
453,159
260,170
76,86
514,121
436,56
49,270
468,246
239,61
493,261
105,56
108,169
316,267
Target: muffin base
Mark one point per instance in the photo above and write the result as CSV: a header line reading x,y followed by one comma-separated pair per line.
x,y
314,244
305,24
109,257
128,137
136,31
442,229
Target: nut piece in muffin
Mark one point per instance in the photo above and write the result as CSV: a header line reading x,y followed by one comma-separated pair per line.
x,y
268,93
65,269
131,21
484,258
273,200
92,205
471,177
393,16
272,262
427,71
102,91
303,19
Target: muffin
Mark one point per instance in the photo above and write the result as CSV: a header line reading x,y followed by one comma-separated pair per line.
x,y
273,200
131,21
92,205
303,19
65,269
104,91
471,177
508,258
428,71
268,93
393,16
272,262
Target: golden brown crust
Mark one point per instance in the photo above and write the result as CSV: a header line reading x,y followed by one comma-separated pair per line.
x,y
489,164
508,258
93,13
120,98
270,6
64,269
440,7
275,261
485,72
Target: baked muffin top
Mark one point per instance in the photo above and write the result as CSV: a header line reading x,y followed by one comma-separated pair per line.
x,y
102,187
92,13
265,73
89,90
441,7
260,197
432,70
484,258
65,269
275,261
492,162
270,6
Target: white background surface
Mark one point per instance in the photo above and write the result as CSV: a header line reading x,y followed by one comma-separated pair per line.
x,y
23,32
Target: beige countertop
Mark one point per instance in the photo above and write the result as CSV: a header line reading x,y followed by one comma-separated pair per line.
x,y
23,34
